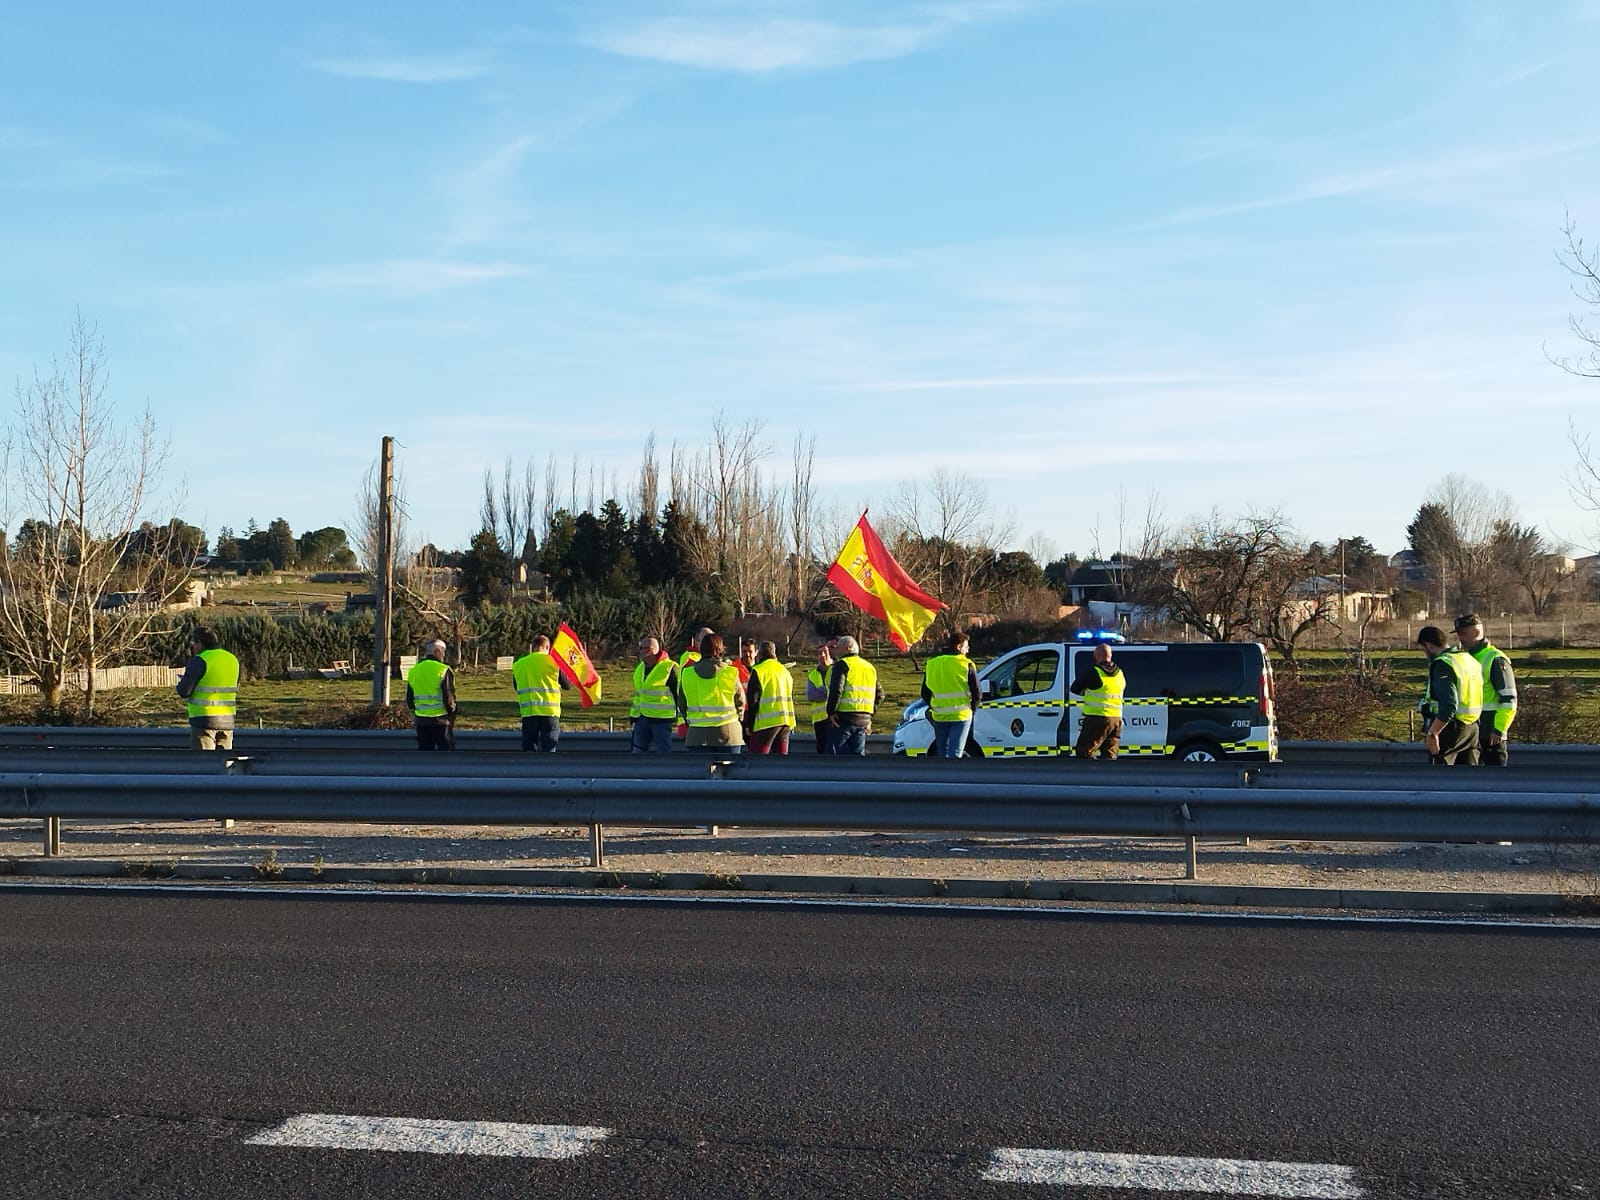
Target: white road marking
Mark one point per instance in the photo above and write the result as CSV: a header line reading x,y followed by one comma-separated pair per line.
x,y
1057,909
501,1138
1163,1173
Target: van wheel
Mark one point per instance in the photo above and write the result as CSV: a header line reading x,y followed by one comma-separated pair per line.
x,y
1199,752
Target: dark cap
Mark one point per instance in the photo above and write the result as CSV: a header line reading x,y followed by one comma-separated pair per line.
x,y
1467,620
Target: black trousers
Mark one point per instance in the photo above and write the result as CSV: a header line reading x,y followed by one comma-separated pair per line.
x,y
1458,745
1490,756
434,733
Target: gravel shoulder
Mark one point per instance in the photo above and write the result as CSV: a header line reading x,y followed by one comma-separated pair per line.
x,y
156,847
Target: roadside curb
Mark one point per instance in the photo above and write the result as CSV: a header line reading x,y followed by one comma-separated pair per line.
x,y
589,879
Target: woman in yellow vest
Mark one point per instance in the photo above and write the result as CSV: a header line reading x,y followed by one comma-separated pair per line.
x,y
950,687
769,703
713,700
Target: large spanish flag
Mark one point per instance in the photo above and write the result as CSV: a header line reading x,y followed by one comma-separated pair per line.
x,y
572,660
871,580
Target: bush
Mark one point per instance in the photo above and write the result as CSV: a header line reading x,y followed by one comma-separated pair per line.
x,y
367,716
1553,715
1340,709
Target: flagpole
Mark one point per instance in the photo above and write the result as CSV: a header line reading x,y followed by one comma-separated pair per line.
x,y
816,595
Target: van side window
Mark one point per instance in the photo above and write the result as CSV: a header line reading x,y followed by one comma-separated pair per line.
x,y
1214,670
1143,670
1025,675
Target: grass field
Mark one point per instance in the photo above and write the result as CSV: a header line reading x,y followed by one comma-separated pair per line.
x,y
487,702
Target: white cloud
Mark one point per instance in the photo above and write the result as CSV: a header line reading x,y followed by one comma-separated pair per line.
x,y
757,44
412,276
402,69
1431,172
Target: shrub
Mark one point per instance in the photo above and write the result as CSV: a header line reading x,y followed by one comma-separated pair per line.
x,y
1335,710
1554,715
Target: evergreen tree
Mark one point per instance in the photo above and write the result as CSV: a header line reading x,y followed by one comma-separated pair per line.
x,y
483,571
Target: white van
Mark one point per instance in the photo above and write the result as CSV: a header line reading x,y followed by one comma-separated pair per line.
x,y
1194,701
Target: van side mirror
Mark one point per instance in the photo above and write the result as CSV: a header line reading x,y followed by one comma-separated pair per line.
x,y
983,687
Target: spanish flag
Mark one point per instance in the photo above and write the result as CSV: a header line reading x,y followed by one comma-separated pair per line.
x,y
870,579
572,660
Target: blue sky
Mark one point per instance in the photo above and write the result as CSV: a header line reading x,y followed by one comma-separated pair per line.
x,y
1233,254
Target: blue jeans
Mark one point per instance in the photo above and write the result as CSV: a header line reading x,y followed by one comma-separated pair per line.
x,y
652,735
950,738
848,739
541,733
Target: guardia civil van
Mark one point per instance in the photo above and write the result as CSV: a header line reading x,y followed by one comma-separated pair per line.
x,y
1191,701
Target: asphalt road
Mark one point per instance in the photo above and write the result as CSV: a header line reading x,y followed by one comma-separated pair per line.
x,y
717,1051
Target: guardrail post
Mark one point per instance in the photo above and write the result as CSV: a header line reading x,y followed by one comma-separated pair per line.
x,y
1194,858
52,836
719,770
597,846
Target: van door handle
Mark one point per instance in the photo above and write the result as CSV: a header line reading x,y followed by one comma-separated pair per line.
x,y
1049,712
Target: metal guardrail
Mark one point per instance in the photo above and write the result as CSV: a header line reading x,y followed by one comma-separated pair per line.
x,y
1402,754
1186,809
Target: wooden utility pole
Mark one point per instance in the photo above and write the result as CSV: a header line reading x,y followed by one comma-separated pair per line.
x,y
383,617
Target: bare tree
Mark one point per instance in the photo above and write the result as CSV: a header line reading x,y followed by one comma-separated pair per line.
x,y
366,526
76,487
509,509
744,547
1468,513
1230,577
802,520
1583,264
945,535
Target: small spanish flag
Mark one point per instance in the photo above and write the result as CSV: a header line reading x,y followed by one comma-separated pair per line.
x,y
572,660
870,579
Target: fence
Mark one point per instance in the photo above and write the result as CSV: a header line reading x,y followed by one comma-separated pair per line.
x,y
106,679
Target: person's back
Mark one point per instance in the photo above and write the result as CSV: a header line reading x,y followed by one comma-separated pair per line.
x,y
538,681
430,694
853,694
712,700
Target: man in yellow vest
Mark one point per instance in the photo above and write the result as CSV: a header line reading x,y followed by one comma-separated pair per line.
x,y
210,684
769,703
431,697
655,698
853,692
950,690
1499,691
539,682
1101,685
1453,702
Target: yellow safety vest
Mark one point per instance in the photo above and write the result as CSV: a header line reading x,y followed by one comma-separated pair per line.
x,y
946,677
217,693
1469,684
538,682
1105,700
688,658
819,708
860,691
652,693
777,695
710,701
1493,701
426,681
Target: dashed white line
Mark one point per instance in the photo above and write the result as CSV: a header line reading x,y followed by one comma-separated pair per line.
x,y
1163,1173
324,1131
